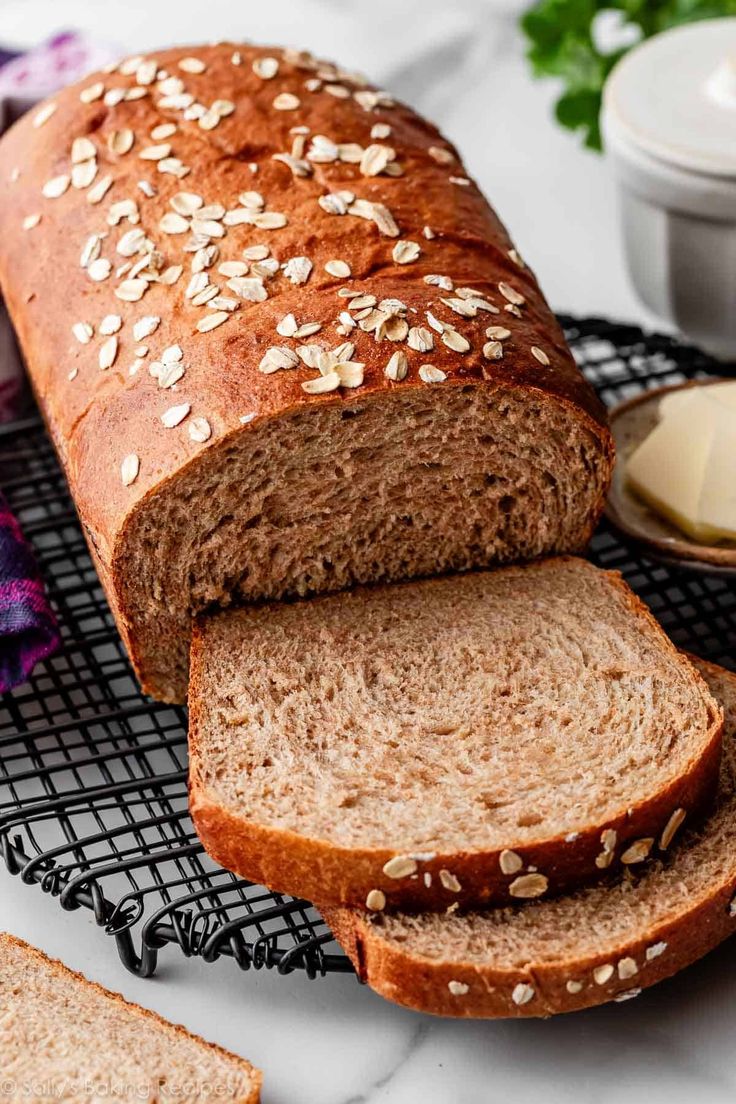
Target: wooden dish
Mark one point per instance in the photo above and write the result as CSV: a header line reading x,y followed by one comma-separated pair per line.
x,y
655,536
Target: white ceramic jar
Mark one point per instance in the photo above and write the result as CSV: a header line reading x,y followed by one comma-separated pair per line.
x,y
669,126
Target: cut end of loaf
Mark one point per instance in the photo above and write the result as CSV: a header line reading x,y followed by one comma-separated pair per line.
x,y
479,739
362,490
604,943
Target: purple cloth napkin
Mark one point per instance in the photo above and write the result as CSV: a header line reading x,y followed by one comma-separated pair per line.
x,y
25,79
28,630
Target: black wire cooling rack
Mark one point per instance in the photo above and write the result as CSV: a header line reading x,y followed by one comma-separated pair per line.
x,y
93,796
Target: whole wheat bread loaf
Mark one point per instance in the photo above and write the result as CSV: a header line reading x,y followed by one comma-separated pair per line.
x,y
599,944
295,347
482,738
66,1039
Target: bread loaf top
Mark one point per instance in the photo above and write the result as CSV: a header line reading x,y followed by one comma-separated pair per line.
x,y
199,240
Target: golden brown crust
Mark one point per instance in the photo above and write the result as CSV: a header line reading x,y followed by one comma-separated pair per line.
x,y
318,870
59,968
423,984
97,418
689,932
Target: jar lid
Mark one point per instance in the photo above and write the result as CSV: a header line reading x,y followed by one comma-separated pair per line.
x,y
674,96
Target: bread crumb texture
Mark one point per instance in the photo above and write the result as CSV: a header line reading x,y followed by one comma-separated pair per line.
x,y
64,1038
575,951
486,728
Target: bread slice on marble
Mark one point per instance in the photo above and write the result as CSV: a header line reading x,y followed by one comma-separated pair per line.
x,y
478,739
599,944
82,1042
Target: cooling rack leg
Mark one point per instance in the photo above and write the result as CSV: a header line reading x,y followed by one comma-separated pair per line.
x,y
143,965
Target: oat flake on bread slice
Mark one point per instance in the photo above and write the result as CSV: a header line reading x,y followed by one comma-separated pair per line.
x,y
79,1042
478,739
599,944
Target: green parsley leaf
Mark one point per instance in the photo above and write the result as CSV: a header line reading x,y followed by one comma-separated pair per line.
x,y
563,43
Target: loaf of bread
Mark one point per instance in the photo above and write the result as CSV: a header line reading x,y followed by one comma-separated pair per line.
x,y
64,1038
281,342
599,944
479,739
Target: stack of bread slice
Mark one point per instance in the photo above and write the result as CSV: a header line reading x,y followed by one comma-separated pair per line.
x,y
601,943
498,786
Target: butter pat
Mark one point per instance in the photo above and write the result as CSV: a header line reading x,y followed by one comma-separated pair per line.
x,y
717,508
724,392
685,469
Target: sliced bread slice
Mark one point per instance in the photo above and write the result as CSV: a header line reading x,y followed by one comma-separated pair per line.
x,y
77,1041
599,944
478,739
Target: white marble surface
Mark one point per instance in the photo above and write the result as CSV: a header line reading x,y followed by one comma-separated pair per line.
x,y
331,1041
